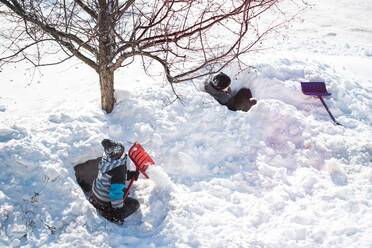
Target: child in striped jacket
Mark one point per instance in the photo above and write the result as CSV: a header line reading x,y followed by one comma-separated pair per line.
x,y
109,186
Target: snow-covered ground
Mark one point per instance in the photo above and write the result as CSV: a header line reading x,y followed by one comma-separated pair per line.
x,y
281,175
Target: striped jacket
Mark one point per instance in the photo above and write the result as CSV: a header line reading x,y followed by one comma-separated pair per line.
x,y
109,185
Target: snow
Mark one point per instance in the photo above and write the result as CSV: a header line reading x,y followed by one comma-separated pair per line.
x,y
281,175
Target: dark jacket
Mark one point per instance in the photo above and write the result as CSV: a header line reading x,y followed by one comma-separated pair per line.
x,y
241,101
223,97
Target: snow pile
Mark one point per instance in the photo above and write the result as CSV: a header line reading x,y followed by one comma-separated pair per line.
x,y
281,175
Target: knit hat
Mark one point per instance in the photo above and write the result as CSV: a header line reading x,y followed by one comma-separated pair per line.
x,y
221,81
112,149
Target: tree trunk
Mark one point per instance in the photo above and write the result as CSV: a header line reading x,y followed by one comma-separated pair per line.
x,y
106,42
106,79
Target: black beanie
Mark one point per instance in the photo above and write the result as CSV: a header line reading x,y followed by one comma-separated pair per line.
x,y
221,81
112,149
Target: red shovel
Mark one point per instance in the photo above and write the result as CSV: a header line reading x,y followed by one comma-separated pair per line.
x,y
141,160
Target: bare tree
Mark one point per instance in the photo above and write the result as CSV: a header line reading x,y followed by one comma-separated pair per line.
x,y
183,36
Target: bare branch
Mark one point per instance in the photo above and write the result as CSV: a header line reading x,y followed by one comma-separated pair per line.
x,y
124,8
87,9
21,50
58,35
